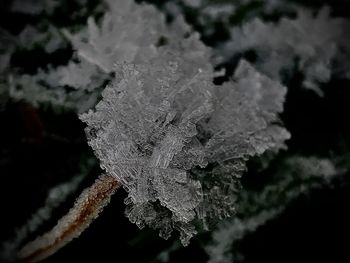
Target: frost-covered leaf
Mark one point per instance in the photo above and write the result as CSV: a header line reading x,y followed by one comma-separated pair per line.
x,y
44,89
127,32
34,7
49,39
296,176
315,42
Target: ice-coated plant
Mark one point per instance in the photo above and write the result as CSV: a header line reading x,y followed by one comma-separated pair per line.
x,y
77,85
312,44
162,126
176,142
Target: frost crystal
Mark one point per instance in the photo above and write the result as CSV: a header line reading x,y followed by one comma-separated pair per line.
x,y
113,41
142,130
177,143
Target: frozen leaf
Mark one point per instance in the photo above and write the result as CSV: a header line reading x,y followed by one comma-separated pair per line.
x,y
128,32
44,89
315,42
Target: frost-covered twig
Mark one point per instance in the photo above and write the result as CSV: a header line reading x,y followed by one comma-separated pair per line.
x,y
56,196
85,210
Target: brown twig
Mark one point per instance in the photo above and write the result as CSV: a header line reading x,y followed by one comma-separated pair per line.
x,y
85,210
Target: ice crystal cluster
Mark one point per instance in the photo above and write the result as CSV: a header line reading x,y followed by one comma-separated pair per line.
x,y
177,143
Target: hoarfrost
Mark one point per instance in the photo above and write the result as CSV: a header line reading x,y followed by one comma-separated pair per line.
x,y
177,143
315,45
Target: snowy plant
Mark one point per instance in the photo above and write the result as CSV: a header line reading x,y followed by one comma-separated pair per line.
x,y
166,127
177,143
314,45
215,18
77,85
55,197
